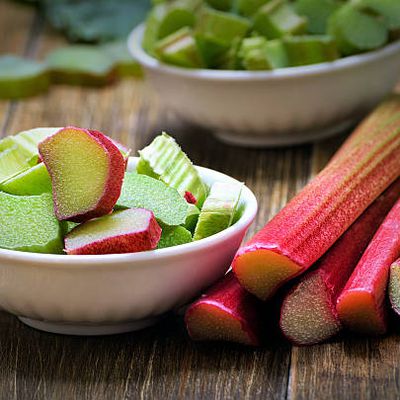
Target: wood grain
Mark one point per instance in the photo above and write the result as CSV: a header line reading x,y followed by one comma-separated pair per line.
x,y
161,362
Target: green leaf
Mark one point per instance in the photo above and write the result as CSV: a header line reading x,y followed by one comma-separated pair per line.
x,y
95,21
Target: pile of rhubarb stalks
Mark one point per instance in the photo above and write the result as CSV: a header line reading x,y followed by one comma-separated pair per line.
x,y
330,256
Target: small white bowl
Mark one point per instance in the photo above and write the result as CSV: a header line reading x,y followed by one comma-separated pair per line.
x,y
107,294
274,108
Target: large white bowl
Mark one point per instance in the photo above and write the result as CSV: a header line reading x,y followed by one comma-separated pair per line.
x,y
106,294
272,108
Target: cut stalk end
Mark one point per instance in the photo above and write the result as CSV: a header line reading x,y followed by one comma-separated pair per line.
x,y
308,315
262,271
357,311
207,321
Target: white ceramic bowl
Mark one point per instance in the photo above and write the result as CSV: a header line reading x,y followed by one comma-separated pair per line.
x,y
106,294
272,108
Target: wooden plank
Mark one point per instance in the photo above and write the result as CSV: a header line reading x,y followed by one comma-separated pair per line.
x,y
347,369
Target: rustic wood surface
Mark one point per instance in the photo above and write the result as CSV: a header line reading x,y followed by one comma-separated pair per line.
x,y
161,362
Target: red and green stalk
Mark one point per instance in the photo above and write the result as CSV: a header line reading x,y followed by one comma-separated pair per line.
x,y
225,312
361,305
314,220
308,313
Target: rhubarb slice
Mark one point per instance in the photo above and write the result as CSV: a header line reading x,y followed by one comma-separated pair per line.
x,y
249,7
308,313
192,217
80,65
11,163
124,64
215,31
317,13
225,312
33,181
361,305
218,210
180,49
141,191
394,286
277,18
20,77
28,224
86,171
307,50
165,19
173,236
309,225
256,53
127,231
370,34
163,159
27,142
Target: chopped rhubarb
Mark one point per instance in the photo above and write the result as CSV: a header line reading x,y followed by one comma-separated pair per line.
x,y
361,305
189,197
86,170
312,222
126,231
225,312
308,313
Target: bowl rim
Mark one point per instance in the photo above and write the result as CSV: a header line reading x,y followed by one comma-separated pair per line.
x,y
137,51
249,213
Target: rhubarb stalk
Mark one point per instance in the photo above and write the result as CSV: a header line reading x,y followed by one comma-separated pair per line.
x,y
312,222
225,312
361,305
308,313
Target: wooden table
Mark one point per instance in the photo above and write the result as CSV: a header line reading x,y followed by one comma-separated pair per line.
x,y
161,362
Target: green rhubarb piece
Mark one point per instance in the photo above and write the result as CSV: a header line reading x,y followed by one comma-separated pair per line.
x,y
250,7
230,58
124,64
180,49
165,19
221,5
277,19
141,191
163,159
27,142
355,31
67,226
215,32
28,223
256,53
20,77
33,181
11,163
317,13
389,10
218,210
173,236
221,26
80,65
192,217
305,50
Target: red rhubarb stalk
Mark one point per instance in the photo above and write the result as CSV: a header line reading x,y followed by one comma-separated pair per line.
x,y
225,312
312,222
361,305
308,313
